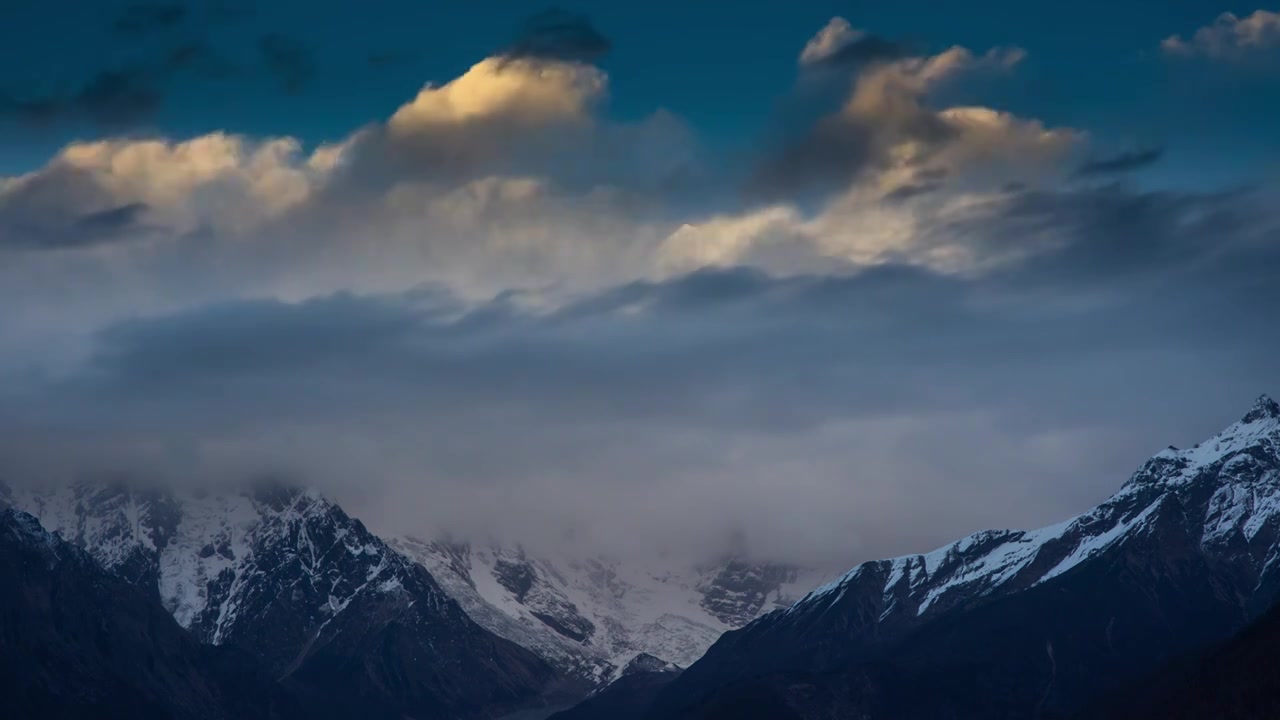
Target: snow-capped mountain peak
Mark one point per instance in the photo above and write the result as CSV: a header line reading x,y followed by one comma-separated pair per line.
x,y
1026,623
25,529
1227,488
1263,409
595,616
216,559
287,576
1255,435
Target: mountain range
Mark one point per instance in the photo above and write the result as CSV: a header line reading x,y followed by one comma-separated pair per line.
x,y
286,578
77,641
596,618
1022,624
272,602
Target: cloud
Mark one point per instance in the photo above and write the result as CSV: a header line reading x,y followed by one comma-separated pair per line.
x,y
214,181
109,223
506,175
288,61
801,410
91,229
509,176
728,241
500,309
525,118
838,42
558,35
527,92
120,97
147,17
112,98
1229,38
915,188
887,125
1123,162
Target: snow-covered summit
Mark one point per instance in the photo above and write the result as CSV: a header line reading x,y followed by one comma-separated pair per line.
x,y
214,558
593,616
289,562
1259,429
1263,409
1227,488
286,576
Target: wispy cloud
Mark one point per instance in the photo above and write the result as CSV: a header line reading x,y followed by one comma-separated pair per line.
x,y
1120,163
1230,37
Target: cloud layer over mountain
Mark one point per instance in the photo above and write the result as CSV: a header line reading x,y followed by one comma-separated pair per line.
x,y
502,309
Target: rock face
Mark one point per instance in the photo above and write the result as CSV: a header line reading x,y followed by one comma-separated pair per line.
x,y
286,577
1005,623
646,663
591,617
739,591
77,641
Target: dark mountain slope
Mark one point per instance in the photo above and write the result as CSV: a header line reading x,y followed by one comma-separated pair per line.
x,y
77,642
1236,680
287,578
626,698
1021,624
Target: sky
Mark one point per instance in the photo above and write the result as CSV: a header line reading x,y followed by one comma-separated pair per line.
x,y
832,280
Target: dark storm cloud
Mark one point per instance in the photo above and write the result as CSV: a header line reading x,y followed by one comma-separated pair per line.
x,y
556,34
1121,163
147,17
288,61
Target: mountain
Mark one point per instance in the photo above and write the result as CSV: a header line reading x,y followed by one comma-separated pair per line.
x,y
624,699
1021,624
594,617
287,578
1236,680
77,641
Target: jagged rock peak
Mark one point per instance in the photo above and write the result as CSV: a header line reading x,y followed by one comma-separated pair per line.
x,y
25,527
1263,409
